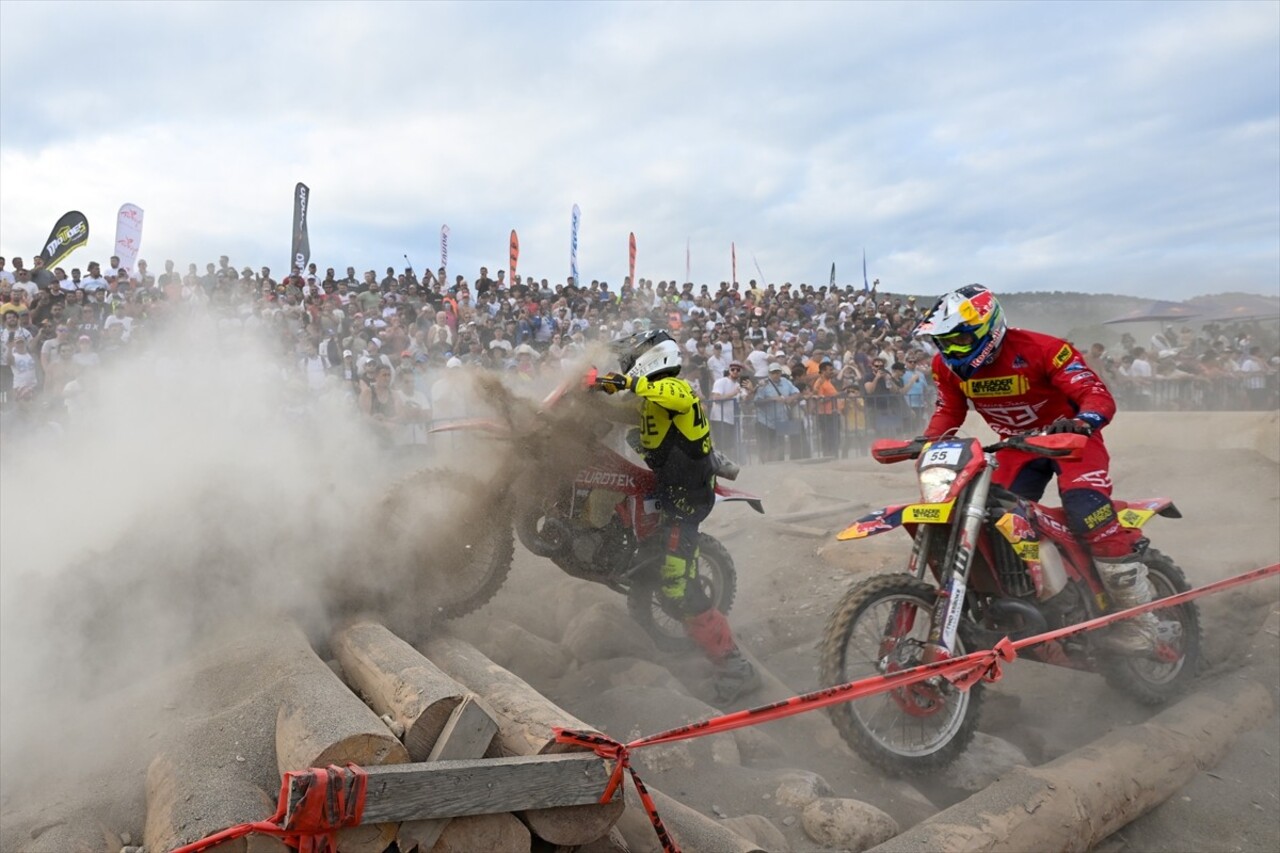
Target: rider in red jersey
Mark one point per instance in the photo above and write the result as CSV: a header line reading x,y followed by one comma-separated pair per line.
x,y
1020,381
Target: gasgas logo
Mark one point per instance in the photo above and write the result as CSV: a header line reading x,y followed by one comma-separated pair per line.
x,y
598,478
996,386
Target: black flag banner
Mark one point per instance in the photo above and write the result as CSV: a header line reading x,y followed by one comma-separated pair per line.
x,y
69,233
301,242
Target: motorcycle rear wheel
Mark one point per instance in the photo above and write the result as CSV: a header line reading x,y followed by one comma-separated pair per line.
x,y
454,537
1150,681
911,731
645,603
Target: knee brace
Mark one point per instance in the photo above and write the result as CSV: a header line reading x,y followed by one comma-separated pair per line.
x,y
1092,517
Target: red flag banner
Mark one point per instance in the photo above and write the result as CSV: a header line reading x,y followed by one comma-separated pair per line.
x,y
515,258
631,253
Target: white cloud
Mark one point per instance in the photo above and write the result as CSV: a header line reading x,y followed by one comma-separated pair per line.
x,y
1036,135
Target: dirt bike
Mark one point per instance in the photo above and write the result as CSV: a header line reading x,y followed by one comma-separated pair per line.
x,y
985,564
585,507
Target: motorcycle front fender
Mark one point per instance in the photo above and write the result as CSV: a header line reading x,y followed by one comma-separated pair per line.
x,y
895,516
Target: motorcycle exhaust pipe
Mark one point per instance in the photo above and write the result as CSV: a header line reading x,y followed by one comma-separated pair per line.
x,y
551,541
1033,620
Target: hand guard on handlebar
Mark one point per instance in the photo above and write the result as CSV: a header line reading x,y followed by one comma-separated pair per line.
x,y
1073,425
611,383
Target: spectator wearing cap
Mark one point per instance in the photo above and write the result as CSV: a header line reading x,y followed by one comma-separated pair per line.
x,y
774,398
727,394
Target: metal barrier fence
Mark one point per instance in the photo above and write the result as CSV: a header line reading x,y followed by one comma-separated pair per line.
x,y
811,434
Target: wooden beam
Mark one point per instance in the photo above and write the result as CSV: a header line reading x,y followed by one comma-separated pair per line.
x,y
467,734
442,789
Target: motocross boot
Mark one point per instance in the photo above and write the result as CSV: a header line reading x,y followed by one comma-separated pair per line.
x,y
735,677
1125,579
734,674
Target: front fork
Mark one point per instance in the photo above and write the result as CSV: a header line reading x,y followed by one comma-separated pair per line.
x,y
944,622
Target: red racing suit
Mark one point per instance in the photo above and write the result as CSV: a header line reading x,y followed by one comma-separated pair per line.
x,y
1033,381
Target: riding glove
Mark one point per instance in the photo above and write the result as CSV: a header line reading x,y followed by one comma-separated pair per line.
x,y
613,382
1074,425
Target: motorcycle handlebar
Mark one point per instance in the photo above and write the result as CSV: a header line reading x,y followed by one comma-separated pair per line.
x,y
1056,445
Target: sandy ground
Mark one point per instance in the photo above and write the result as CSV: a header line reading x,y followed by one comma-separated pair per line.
x,y
1221,470
791,575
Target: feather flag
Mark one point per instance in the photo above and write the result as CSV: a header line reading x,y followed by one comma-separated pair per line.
x,y
688,265
515,258
833,275
575,219
631,262
733,252
69,233
866,286
301,248
128,235
444,256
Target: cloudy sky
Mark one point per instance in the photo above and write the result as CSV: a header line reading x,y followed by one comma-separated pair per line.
x,y
1109,147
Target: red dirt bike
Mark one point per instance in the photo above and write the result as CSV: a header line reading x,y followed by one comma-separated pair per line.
x,y
985,564
585,507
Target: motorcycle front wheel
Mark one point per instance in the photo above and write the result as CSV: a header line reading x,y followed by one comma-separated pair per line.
x,y
660,620
451,536
1150,680
880,626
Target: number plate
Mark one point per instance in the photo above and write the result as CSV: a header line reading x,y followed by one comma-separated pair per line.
x,y
948,455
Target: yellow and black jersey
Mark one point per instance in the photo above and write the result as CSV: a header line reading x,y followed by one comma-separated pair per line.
x,y
671,417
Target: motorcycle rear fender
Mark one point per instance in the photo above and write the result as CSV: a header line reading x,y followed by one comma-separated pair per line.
x,y
895,516
1138,513
474,424
724,493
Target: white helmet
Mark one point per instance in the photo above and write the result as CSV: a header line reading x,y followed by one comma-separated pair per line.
x,y
663,356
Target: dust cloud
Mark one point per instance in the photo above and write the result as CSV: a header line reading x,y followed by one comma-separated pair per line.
x,y
193,487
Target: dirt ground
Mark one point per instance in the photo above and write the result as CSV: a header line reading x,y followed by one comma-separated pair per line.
x,y
791,575
1223,472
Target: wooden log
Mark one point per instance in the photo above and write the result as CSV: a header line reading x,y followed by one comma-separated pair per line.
x,y
1077,800
184,807
321,722
437,789
494,833
467,734
525,720
395,679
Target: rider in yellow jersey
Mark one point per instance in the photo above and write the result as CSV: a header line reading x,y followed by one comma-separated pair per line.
x,y
675,439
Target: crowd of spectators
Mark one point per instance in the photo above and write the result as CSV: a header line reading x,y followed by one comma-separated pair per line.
x,y
1220,366
787,370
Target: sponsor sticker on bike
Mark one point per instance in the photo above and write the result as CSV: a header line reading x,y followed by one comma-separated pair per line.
x,y
1135,517
927,513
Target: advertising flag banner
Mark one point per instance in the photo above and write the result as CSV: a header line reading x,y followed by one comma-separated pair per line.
x,y
759,271
444,255
733,252
575,219
833,274
515,258
866,286
69,233
301,242
128,235
688,262
631,263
